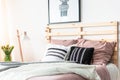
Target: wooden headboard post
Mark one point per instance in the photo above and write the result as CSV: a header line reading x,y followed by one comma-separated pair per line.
x,y
81,29
117,46
115,57
82,33
48,31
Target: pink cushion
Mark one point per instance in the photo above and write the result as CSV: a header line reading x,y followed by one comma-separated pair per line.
x,y
63,42
103,50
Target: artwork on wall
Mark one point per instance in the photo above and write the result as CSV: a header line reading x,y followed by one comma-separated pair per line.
x,y
63,11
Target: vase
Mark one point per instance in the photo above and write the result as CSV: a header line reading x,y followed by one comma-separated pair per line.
x,y
7,58
7,50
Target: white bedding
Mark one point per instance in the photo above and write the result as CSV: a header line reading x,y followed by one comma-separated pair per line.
x,y
26,71
113,71
17,73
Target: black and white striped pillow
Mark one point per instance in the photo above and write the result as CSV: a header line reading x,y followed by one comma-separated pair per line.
x,y
80,55
55,53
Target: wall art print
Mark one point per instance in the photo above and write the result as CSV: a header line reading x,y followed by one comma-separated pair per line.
x,y
62,11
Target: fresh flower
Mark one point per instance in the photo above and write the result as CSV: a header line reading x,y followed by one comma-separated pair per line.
x,y
7,49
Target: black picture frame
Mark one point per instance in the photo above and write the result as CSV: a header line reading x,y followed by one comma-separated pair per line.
x,y
63,11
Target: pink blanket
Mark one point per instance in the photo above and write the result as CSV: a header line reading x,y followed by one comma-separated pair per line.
x,y
101,70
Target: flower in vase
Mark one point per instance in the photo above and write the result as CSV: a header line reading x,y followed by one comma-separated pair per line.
x,y
7,49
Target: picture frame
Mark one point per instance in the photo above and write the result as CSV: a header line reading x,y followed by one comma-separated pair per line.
x,y
63,11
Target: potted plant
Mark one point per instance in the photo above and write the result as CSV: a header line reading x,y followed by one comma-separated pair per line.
x,y
7,49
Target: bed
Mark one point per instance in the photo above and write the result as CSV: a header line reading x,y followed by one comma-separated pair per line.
x,y
104,37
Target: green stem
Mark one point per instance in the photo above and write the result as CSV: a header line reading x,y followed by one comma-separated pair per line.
x,y
7,58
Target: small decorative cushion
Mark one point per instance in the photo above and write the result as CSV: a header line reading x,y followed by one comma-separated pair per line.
x,y
103,50
80,55
55,53
63,42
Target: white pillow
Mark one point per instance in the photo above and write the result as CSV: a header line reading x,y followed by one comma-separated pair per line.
x,y
55,53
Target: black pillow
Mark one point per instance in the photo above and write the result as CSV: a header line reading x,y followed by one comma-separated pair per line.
x,y
80,55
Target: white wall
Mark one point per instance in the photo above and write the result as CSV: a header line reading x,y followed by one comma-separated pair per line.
x,y
100,10
32,16
4,37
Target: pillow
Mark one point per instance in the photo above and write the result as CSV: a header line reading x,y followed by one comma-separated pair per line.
x,y
63,42
80,55
103,50
55,53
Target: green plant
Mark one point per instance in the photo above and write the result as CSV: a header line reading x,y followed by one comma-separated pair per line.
x,y
7,49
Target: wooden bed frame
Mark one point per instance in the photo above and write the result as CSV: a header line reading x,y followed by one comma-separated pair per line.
x,y
81,32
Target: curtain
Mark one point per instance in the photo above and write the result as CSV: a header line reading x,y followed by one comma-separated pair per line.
x,y
4,36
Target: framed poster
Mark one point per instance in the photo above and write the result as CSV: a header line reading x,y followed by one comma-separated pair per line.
x,y
63,11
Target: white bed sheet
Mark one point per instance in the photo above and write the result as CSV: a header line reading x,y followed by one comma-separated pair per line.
x,y
114,71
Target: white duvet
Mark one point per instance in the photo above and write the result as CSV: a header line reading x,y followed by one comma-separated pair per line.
x,y
113,71
29,70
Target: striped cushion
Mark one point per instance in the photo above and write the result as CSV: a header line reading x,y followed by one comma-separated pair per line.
x,y
55,53
80,55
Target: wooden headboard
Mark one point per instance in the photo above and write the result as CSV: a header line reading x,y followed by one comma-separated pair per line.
x,y
107,31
